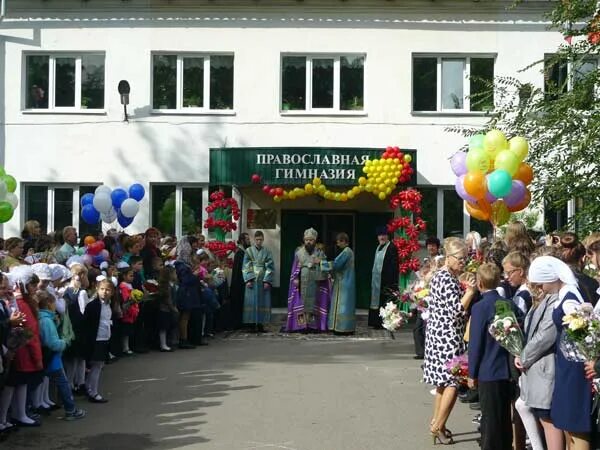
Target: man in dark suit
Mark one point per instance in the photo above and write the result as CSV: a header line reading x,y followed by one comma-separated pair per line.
x,y
489,365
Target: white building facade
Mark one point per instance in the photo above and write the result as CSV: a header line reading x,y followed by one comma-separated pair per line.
x,y
261,75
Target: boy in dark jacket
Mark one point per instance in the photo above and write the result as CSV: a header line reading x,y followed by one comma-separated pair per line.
x,y
489,365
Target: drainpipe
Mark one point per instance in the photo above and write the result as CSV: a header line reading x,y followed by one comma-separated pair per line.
x,y
2,9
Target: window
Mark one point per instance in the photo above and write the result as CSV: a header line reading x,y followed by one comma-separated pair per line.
x,y
322,83
453,84
453,214
64,82
57,206
192,82
562,75
429,212
176,210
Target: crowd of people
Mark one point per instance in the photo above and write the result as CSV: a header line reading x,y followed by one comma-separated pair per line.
x,y
66,311
540,396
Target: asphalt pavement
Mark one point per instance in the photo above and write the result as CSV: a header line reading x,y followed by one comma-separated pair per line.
x,y
252,392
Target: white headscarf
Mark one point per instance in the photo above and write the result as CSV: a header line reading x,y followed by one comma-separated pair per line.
x,y
547,269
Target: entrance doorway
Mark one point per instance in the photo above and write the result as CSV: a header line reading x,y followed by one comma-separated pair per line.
x,y
360,228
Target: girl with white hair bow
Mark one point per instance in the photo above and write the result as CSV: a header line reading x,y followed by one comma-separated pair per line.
x,y
572,397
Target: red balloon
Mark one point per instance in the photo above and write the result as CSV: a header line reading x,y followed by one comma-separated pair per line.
x,y
256,178
266,188
279,191
272,192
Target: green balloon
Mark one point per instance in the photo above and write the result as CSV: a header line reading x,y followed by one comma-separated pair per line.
x,y
499,183
11,183
478,160
6,212
476,141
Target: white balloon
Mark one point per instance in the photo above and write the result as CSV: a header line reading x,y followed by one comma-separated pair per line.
x,y
3,190
102,203
129,208
110,216
12,199
103,189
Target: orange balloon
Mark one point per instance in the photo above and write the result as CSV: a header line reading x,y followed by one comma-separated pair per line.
x,y
526,200
480,211
524,173
89,240
475,184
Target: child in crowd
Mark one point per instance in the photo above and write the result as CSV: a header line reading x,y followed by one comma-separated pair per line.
x,y
489,365
167,313
76,299
137,265
129,308
97,320
52,348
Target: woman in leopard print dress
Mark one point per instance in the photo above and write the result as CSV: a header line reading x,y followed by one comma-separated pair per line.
x,y
445,330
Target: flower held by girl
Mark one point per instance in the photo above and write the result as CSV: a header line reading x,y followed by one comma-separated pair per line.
x,y
506,330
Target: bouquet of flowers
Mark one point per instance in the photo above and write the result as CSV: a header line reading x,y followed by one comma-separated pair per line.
x,y
591,270
136,296
472,265
580,341
459,368
506,330
393,317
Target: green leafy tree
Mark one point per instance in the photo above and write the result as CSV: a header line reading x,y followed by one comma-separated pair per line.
x,y
562,119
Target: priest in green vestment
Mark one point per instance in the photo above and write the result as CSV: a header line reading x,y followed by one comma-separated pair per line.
x,y
258,271
342,313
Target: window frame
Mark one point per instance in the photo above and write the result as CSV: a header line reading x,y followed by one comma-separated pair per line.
x,y
335,110
179,187
570,70
52,109
50,189
179,109
466,110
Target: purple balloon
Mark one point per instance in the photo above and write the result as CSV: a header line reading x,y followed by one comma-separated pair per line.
x,y
517,193
459,185
490,198
459,163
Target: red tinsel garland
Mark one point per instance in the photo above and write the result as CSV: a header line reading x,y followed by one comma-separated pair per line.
x,y
410,201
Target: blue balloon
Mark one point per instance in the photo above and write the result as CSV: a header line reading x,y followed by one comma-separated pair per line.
x,y
137,191
124,221
90,215
87,199
98,259
118,196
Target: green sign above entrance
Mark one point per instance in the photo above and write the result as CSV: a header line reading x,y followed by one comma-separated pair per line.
x,y
296,166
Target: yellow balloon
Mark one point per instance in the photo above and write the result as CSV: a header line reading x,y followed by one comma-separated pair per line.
x,y
494,142
309,188
407,158
344,197
508,161
350,194
292,195
337,196
500,213
368,163
381,186
369,187
357,189
362,181
388,191
396,161
478,160
519,146
382,196
317,181
322,189
277,198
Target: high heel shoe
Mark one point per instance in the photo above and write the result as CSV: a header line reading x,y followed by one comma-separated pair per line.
x,y
441,437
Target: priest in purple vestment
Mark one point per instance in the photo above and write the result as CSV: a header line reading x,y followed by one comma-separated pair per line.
x,y
310,287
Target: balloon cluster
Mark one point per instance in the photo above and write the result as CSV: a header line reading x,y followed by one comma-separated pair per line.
x,y
384,174
407,228
110,205
95,253
8,199
492,177
382,177
223,212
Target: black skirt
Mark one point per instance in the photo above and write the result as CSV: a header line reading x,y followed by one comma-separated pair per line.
x,y
16,378
167,320
100,352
